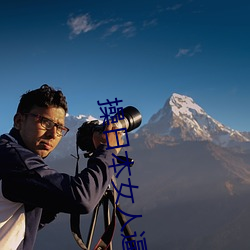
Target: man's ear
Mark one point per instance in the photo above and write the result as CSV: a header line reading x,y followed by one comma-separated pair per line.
x,y
18,119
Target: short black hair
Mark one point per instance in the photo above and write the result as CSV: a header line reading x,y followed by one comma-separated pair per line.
x,y
45,96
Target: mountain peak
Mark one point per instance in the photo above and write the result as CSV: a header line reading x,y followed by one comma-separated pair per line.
x,y
182,104
182,119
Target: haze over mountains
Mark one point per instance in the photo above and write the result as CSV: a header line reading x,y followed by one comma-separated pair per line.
x,y
193,175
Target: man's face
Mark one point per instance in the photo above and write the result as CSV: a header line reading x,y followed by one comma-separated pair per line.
x,y
35,137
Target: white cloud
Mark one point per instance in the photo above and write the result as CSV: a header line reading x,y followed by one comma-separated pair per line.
x,y
150,23
83,24
174,7
182,52
189,52
127,29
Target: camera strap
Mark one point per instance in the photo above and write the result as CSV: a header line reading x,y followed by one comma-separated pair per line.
x,y
75,229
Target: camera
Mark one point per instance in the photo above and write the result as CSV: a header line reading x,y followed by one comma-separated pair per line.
x,y
131,119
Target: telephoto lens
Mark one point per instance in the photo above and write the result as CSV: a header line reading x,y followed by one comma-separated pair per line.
x,y
131,120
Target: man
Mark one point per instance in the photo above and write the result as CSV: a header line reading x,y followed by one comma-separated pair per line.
x,y
28,187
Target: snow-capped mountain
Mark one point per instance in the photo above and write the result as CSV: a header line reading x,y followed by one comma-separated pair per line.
x,y
182,119
68,144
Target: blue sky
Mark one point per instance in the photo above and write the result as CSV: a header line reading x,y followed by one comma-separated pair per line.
x,y
138,51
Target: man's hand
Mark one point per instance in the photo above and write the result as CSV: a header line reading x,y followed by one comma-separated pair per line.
x,y
100,138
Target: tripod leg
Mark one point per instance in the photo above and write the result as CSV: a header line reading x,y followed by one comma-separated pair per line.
x,y
106,215
93,224
122,219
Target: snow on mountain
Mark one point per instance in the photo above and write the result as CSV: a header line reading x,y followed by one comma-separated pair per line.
x,y
182,119
67,146
74,122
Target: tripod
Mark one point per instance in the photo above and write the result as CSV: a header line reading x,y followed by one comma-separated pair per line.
x,y
105,242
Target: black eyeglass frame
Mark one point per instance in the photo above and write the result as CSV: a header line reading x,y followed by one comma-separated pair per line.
x,y
60,129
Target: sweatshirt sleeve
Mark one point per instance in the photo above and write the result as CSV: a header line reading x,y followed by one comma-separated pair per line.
x,y
27,179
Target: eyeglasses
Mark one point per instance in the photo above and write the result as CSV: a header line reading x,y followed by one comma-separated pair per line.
x,y
49,124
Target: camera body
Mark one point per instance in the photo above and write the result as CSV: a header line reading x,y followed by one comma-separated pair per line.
x,y
132,120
